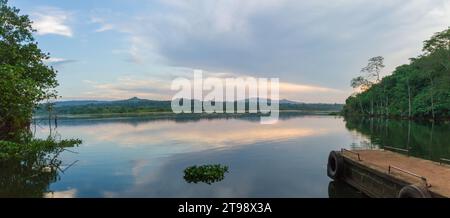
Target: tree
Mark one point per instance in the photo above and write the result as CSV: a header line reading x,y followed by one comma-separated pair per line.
x,y
24,78
439,41
360,83
439,46
406,78
374,68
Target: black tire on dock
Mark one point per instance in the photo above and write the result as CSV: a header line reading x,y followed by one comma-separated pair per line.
x,y
335,166
414,191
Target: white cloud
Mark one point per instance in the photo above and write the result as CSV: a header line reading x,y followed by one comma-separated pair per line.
x,y
103,25
290,87
51,20
55,60
58,61
127,87
70,193
312,93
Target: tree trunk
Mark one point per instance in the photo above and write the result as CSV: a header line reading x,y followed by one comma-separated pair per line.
x,y
386,102
409,100
387,107
371,106
409,135
432,99
361,106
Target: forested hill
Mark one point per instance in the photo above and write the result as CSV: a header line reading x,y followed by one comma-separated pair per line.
x,y
137,105
418,90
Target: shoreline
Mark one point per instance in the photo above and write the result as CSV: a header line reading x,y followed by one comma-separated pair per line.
x,y
173,115
400,118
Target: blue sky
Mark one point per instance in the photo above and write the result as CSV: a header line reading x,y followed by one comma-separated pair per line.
x,y
111,49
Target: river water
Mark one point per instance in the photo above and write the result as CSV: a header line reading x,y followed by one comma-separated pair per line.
x,y
146,157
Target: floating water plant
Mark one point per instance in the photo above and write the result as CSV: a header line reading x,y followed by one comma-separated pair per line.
x,y
206,173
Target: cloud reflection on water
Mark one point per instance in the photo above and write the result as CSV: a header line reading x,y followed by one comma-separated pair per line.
x,y
147,158
201,135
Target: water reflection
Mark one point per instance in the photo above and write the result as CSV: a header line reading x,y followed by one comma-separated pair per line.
x,y
423,139
32,176
146,157
71,193
140,157
338,189
192,136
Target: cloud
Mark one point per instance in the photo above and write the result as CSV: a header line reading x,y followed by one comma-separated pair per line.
x,y
50,20
126,87
197,137
158,88
311,42
58,61
312,93
289,87
103,25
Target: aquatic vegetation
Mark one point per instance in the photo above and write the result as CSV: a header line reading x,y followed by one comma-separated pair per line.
x,y
33,147
205,173
29,167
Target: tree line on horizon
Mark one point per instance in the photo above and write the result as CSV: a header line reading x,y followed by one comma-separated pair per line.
x,y
418,90
136,105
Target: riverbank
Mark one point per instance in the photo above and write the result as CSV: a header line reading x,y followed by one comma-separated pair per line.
x,y
399,118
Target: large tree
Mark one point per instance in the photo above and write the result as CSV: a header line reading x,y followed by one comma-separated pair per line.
x,y
364,83
25,80
439,41
374,68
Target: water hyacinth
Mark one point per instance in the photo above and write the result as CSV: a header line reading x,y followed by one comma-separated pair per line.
x,y
206,173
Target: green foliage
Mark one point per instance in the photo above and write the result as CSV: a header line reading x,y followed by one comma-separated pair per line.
x,y
206,173
27,164
440,41
419,90
29,167
360,81
24,78
33,147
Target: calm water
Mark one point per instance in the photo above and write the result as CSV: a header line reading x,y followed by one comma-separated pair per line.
x,y
138,157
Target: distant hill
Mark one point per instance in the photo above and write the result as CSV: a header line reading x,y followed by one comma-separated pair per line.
x,y
285,101
78,103
138,105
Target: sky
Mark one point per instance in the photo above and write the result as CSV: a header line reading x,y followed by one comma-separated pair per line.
x,y
111,49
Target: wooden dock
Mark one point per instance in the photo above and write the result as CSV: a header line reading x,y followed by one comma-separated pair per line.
x,y
386,174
